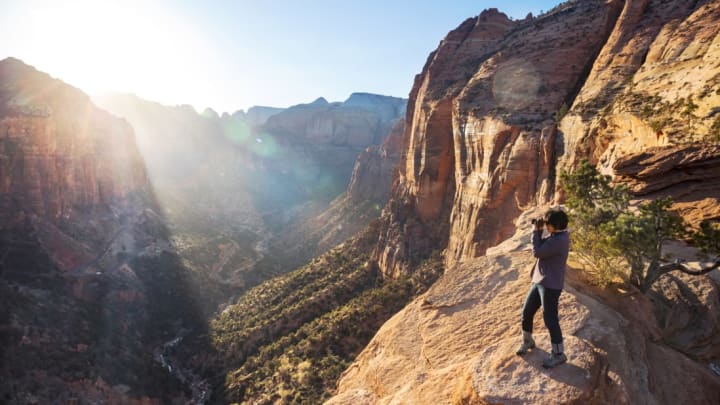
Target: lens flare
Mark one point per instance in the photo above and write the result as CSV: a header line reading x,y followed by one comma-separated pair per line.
x,y
515,85
236,131
265,146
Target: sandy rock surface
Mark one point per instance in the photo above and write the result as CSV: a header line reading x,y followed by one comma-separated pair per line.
x,y
456,344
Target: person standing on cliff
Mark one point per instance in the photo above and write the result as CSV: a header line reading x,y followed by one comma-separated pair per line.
x,y
548,276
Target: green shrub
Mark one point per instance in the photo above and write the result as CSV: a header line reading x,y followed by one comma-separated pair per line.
x,y
607,233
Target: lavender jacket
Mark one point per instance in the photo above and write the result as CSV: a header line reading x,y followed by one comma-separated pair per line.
x,y
552,254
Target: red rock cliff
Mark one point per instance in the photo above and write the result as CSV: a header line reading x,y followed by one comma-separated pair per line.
x,y
87,274
54,160
482,140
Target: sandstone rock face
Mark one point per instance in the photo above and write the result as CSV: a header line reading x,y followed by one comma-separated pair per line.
x,y
86,273
456,343
498,378
660,58
480,142
375,168
53,160
689,174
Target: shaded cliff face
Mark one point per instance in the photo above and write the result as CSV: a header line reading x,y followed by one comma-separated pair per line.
x,y
482,141
324,139
376,168
89,283
60,153
347,215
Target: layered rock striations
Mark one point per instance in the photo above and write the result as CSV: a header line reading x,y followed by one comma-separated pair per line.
x,y
480,141
654,88
499,110
89,283
501,107
58,152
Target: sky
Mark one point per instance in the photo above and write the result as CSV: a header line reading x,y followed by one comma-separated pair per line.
x,y
230,55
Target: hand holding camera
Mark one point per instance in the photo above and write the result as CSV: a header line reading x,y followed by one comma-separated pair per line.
x,y
539,223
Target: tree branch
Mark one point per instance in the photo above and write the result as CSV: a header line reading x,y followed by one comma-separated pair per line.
x,y
666,268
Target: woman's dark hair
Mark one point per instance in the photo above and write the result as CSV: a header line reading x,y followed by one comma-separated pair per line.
x,y
558,219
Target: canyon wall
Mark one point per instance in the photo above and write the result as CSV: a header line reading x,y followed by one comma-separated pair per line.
x,y
269,184
498,111
501,107
88,277
58,152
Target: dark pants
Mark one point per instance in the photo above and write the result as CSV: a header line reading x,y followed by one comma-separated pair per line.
x,y
548,298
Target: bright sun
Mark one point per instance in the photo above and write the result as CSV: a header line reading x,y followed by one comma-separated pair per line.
x,y
118,45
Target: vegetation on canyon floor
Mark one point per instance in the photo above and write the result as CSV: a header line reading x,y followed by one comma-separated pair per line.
x,y
290,338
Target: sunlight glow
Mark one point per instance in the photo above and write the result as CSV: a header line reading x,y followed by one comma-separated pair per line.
x,y
119,45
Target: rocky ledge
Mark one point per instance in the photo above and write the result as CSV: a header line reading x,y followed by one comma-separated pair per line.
x,y
690,174
455,344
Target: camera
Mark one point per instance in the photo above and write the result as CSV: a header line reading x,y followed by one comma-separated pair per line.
x,y
538,222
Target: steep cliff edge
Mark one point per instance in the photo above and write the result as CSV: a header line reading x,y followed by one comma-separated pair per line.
x,y
90,286
456,343
488,127
500,108
59,152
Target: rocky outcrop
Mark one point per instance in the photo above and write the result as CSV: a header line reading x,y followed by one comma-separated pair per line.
x,y
375,168
655,83
87,273
456,343
480,141
58,152
689,174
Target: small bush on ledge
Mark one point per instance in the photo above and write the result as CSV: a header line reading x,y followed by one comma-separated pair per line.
x,y
608,236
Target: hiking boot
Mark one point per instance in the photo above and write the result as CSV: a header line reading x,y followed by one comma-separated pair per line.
x,y
527,344
557,357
